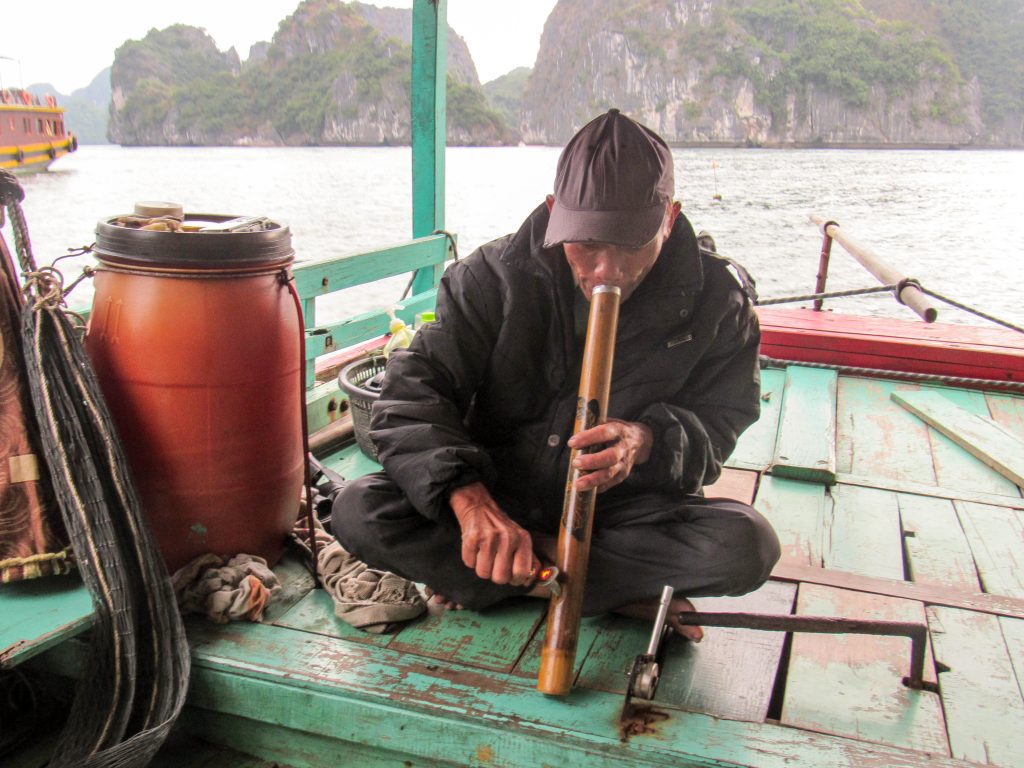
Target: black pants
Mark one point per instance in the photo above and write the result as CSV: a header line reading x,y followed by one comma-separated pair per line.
x,y
702,547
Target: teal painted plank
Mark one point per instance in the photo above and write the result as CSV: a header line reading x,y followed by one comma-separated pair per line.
x,y
978,435
996,536
358,328
934,491
590,628
755,446
287,747
796,511
863,535
956,467
729,674
980,693
436,710
1007,411
852,685
350,462
321,278
315,613
322,404
492,639
39,613
878,439
1013,634
805,448
296,581
937,549
429,124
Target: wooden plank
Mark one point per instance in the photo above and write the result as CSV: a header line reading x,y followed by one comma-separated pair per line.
x,y
296,582
1007,411
492,639
954,466
730,674
939,492
805,448
315,613
39,613
1013,634
736,484
852,685
937,549
980,436
863,534
889,343
996,536
796,511
755,446
323,277
980,693
876,438
590,627
925,593
435,710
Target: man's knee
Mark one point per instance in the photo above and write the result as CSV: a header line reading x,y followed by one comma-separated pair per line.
x,y
354,516
756,549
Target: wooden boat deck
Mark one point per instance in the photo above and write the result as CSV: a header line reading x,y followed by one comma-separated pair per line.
x,y
881,516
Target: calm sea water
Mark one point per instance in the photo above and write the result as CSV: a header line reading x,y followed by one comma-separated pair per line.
x,y
952,219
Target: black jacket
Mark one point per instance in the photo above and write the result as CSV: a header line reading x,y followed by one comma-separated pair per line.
x,y
488,391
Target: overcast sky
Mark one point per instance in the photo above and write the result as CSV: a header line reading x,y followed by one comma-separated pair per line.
x,y
67,42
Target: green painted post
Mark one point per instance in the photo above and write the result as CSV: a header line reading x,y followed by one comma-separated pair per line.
x,y
429,65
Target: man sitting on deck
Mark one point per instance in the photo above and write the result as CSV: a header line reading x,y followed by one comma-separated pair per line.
x,y
473,420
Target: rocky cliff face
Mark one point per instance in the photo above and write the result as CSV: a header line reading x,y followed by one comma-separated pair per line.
x,y
751,72
334,73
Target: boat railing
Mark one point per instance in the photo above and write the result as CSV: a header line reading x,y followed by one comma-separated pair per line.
x,y
424,256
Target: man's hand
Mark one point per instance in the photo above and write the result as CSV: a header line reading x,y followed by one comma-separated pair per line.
x,y
625,444
493,545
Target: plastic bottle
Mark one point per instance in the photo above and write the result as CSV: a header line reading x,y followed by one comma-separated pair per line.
x,y
401,334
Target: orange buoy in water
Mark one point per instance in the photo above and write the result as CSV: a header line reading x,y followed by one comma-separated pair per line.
x,y
194,337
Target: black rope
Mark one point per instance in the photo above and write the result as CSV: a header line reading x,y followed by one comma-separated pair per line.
x,y
828,295
852,370
972,310
134,683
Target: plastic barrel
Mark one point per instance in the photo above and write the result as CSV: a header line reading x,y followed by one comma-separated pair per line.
x,y
194,337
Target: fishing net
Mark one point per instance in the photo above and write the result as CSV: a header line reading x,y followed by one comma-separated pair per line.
x,y
134,683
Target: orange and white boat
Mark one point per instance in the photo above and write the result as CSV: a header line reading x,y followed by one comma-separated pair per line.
x,y
32,131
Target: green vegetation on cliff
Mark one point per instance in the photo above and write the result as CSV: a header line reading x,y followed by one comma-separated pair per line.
x,y
988,40
325,74
505,93
837,46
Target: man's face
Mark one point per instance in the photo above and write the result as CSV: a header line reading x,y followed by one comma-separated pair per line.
x,y
596,264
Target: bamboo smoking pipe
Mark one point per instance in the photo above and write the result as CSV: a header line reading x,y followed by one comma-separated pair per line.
x,y
558,655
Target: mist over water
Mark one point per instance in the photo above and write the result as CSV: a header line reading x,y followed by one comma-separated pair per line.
x,y
951,219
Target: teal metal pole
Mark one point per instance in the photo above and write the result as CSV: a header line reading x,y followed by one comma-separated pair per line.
x,y
429,65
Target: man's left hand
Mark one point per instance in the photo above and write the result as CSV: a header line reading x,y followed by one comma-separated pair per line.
x,y
623,444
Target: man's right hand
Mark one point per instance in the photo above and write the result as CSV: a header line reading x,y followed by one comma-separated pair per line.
x,y
493,545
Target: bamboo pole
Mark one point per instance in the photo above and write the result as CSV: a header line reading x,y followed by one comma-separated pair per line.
x,y
558,655
885,274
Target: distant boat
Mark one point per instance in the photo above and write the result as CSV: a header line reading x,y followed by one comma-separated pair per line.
x,y
32,131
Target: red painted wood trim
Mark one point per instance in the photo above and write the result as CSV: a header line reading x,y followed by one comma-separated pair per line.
x,y
890,344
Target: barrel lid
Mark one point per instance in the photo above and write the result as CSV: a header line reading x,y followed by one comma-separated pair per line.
x,y
202,241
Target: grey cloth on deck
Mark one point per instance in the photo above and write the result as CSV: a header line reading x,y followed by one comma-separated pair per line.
x,y
699,546
364,597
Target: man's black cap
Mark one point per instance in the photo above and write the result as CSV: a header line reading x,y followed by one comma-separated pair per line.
x,y
613,181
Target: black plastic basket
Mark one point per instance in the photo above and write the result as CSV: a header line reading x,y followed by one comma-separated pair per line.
x,y
362,381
